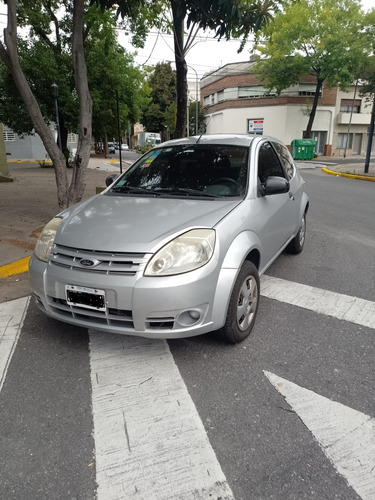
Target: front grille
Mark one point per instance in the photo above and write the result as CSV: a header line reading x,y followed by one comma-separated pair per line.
x,y
110,263
111,317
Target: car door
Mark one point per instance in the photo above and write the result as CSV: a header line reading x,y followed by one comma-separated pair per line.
x,y
279,210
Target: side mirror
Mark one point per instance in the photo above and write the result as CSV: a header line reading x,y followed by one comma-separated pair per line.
x,y
275,185
110,179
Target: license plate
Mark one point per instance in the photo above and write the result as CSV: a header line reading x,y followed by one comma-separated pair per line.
x,y
90,298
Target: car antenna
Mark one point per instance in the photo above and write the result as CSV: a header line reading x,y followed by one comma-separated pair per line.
x,y
200,137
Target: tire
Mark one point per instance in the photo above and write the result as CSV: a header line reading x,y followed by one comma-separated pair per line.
x,y
243,306
298,242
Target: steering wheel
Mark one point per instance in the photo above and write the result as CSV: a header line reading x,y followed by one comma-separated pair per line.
x,y
226,179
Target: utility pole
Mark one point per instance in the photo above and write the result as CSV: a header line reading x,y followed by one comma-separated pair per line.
x,y
370,137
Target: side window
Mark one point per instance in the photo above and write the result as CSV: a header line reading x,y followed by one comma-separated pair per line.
x,y
268,163
286,159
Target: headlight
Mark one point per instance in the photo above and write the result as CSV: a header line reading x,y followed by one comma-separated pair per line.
x,y
185,253
46,239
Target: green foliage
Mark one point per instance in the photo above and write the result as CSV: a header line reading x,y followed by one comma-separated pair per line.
x,y
322,37
138,16
230,19
366,72
160,114
46,58
113,79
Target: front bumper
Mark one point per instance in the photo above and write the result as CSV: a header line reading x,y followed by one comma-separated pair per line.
x,y
153,307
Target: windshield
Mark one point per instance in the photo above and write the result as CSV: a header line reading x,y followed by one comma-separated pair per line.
x,y
202,170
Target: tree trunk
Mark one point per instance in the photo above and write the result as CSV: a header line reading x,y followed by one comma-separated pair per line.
x,y
9,55
179,13
319,85
82,157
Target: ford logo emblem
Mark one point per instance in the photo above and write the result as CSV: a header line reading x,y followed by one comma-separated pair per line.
x,y
89,262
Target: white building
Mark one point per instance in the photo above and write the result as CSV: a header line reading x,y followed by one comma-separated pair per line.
x,y
30,147
234,101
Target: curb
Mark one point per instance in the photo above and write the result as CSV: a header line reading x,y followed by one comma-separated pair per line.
x,y
17,267
349,176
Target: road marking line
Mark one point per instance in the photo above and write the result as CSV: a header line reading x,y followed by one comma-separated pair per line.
x,y
337,305
346,436
12,315
150,441
17,267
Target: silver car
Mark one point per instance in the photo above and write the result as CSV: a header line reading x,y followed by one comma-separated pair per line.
x,y
175,245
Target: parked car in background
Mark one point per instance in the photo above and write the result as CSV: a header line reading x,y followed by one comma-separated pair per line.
x,y
124,146
174,246
111,148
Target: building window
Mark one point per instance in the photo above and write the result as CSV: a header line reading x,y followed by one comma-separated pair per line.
x,y
253,91
9,136
220,96
342,141
307,89
350,106
206,100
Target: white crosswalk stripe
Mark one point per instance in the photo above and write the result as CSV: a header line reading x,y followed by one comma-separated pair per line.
x,y
337,305
150,441
346,436
148,434
12,315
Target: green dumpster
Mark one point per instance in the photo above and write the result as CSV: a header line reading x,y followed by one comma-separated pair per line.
x,y
303,149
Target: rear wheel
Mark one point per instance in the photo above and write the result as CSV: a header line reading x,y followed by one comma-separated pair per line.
x,y
297,243
243,305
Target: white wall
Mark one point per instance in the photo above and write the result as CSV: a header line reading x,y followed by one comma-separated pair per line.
x,y
283,122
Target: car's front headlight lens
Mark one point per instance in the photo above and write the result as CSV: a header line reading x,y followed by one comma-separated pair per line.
x,y
45,241
185,253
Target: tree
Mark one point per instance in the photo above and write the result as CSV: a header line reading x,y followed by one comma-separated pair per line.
x,y
229,19
325,38
54,53
113,79
157,116
9,55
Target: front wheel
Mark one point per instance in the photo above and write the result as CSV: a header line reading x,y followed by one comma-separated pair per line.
x,y
297,243
243,305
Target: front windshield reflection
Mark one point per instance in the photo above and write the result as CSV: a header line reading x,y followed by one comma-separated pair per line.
x,y
206,170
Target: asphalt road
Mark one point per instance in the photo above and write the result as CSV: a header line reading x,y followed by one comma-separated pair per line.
x,y
272,440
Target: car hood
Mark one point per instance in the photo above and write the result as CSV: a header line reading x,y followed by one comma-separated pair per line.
x,y
135,224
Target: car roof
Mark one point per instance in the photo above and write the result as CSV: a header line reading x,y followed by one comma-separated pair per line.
x,y
224,139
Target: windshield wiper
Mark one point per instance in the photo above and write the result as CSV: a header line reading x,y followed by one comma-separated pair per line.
x,y
185,191
133,190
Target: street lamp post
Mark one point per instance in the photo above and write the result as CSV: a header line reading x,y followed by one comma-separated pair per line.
x,y
55,95
370,138
118,131
196,99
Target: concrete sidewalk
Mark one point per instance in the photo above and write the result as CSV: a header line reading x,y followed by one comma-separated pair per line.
x,y
29,202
